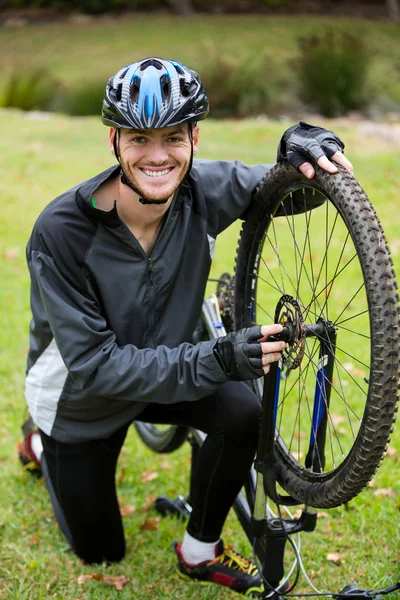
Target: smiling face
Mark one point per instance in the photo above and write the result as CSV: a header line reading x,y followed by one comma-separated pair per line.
x,y
156,160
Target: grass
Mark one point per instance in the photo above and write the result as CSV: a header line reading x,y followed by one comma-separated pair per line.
x,y
103,45
41,156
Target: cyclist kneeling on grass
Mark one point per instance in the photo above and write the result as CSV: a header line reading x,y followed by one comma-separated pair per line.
x,y
119,266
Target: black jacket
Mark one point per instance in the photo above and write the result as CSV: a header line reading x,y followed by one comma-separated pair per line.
x,y
111,326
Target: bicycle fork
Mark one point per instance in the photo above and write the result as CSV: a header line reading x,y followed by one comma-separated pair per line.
x,y
277,530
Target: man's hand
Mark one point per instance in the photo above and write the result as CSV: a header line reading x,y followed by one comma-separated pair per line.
x,y
246,354
320,146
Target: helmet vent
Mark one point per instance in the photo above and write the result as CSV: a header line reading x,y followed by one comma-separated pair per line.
x,y
151,63
165,86
124,73
179,69
135,89
187,87
118,93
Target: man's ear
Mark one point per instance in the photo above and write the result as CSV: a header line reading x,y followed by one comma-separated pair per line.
x,y
196,136
111,136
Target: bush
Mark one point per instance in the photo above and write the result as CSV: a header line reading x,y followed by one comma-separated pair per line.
x,y
83,100
237,87
28,90
332,71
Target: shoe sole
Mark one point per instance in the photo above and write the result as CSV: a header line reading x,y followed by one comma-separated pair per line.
x,y
207,583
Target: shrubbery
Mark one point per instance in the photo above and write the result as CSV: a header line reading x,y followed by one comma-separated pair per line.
x,y
332,70
28,89
236,87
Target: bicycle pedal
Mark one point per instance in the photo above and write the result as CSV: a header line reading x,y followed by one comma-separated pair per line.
x,y
177,507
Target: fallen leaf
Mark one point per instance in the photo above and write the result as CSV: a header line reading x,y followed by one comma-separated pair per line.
x,y
33,539
385,492
117,581
323,515
165,465
126,510
11,253
95,576
299,435
150,524
372,483
392,453
148,476
359,373
297,513
148,503
337,419
296,455
121,476
335,557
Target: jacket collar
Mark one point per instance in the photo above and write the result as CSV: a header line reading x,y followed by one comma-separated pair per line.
x,y
85,193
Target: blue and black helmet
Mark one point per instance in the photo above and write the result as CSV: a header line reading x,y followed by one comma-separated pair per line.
x,y
154,93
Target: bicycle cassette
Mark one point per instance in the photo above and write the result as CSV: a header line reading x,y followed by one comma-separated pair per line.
x,y
289,314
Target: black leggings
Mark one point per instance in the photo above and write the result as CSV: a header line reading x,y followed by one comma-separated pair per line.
x,y
81,477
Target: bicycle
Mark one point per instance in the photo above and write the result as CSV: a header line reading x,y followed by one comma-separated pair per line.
x,y
312,256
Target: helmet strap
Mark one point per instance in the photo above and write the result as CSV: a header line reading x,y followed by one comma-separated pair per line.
x,y
191,125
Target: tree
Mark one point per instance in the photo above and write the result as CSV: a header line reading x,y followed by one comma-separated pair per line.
x,y
393,9
182,7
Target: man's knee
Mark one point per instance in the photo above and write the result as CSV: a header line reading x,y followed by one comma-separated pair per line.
x,y
91,552
242,412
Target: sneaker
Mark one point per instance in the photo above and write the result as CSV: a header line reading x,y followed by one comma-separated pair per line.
x,y
228,568
26,455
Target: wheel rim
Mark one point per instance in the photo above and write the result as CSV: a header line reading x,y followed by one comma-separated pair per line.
x,y
312,258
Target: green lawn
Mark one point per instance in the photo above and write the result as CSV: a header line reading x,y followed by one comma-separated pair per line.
x,y
40,157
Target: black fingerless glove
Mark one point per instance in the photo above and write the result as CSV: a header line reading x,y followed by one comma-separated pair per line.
x,y
304,142
239,354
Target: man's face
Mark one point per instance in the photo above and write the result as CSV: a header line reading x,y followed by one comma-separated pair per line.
x,y
156,160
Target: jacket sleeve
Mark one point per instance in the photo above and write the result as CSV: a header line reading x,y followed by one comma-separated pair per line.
x,y
228,187
91,355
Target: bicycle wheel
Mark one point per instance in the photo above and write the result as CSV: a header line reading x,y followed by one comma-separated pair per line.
x,y
326,274
161,438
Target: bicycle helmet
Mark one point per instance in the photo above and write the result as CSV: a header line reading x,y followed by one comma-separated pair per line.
x,y
154,93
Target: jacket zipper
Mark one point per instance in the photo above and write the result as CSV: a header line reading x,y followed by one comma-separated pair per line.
x,y
152,293
150,270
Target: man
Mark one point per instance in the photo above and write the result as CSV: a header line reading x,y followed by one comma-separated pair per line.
x,y
119,266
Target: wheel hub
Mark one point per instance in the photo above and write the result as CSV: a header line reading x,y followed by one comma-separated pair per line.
x,y
289,314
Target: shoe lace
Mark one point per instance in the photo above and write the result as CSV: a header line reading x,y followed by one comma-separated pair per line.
x,y
234,560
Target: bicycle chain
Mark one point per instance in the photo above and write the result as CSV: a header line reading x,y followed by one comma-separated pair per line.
x,y
225,291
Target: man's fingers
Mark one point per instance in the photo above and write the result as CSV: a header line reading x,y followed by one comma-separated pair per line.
x,y
326,164
268,347
307,169
267,330
267,359
340,159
